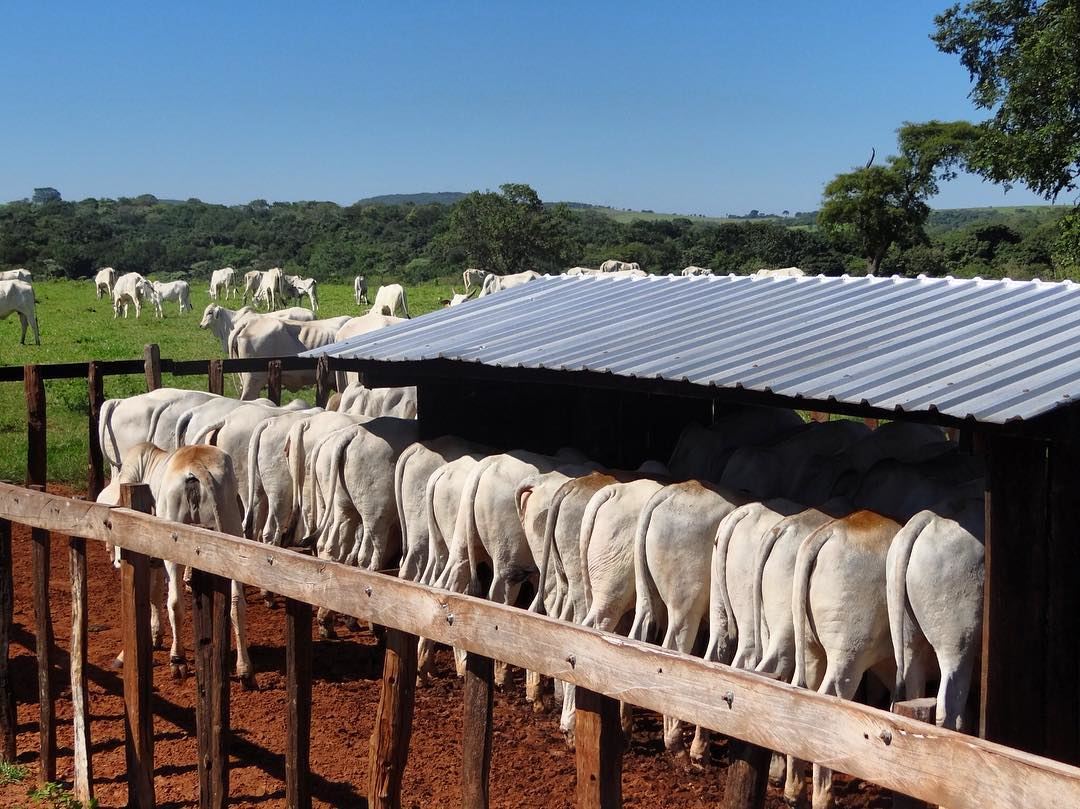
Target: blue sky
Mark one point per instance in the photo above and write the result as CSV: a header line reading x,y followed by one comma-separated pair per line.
x,y
684,107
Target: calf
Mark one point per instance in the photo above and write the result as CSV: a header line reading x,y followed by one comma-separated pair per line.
x,y
104,281
176,291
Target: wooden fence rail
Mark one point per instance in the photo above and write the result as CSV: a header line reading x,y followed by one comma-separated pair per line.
x,y
901,754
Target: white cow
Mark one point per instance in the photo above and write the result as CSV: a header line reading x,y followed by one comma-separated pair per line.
x,y
783,272
271,337
388,299
497,283
360,325
252,281
474,278
363,401
613,265
194,486
360,290
457,298
578,271
104,281
177,291
221,283
692,270
271,288
132,288
16,275
702,453
296,287
17,297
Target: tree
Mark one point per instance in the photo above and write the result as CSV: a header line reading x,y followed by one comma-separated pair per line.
x,y
1022,57
43,195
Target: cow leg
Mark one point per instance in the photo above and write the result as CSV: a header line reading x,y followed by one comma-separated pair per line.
x,y
325,619
952,694
177,661
157,596
840,681
238,613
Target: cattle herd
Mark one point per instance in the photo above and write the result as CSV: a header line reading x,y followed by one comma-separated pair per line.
x,y
818,552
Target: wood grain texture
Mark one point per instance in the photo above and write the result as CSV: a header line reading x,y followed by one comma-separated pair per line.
x,y
746,779
478,698
215,377
82,763
152,366
298,704
389,749
45,649
210,599
923,709
95,461
324,381
138,660
900,754
598,741
273,381
8,717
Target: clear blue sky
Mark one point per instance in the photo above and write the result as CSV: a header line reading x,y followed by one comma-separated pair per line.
x,y
686,107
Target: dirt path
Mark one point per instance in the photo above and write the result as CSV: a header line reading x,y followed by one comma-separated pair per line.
x,y
531,765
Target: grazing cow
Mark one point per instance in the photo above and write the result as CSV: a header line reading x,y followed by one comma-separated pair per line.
x,y
271,290
934,583
177,291
474,278
134,289
17,297
360,290
613,265
296,288
16,275
194,486
497,283
271,337
221,283
252,281
692,270
456,298
104,281
388,299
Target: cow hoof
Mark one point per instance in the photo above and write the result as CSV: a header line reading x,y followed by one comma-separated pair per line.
x,y
158,642
249,682
700,757
569,736
538,705
352,624
268,602
327,632
117,664
178,668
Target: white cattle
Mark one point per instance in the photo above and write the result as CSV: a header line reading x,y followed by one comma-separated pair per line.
x,y
271,337
177,291
360,290
474,278
692,271
16,275
456,298
199,419
296,287
271,290
17,297
221,283
577,271
899,490
363,401
252,281
194,486
613,265
934,583
104,281
783,272
388,299
360,325
132,288
497,283
702,453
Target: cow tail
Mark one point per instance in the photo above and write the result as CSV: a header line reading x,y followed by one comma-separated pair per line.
x,y
155,417
588,521
399,500
337,474
800,594
896,590
105,430
645,618
761,556
549,531
405,303
719,598
466,517
253,476
208,434
294,455
430,573
181,427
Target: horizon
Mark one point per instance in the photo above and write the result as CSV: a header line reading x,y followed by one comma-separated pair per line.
x,y
698,111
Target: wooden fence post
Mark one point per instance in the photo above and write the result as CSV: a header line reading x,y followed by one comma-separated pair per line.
x,y
923,709
324,381
476,734
273,381
95,466
298,708
211,597
8,718
80,704
599,742
36,477
389,750
138,659
152,366
215,379
747,777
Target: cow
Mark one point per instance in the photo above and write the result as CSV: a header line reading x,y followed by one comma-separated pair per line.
x,y
456,298
221,283
271,290
132,288
177,291
360,325
195,486
497,283
692,271
474,278
104,281
16,275
296,288
252,281
579,271
783,272
271,337
17,297
221,321
388,299
363,401
702,453
360,290
613,265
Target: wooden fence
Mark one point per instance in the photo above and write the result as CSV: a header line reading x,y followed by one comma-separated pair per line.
x,y
899,753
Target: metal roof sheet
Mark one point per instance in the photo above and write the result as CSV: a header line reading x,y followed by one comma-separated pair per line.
x,y
991,350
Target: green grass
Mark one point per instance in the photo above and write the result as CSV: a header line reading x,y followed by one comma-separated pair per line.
x,y
12,773
55,796
75,327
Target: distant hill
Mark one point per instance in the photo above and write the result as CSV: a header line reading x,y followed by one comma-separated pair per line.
x,y
426,198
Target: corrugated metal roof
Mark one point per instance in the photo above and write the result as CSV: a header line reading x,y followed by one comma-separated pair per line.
x,y
992,350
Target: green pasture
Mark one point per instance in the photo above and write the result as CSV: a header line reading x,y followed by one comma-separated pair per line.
x,y
76,327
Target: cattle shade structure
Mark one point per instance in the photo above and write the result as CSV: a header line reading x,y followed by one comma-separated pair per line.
x,y
616,367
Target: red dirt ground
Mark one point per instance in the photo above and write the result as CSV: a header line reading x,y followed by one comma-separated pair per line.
x,y
531,765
